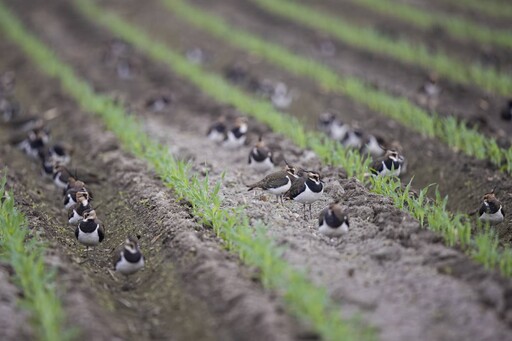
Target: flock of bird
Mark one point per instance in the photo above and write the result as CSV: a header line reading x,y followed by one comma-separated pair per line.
x,y
290,183
32,137
306,186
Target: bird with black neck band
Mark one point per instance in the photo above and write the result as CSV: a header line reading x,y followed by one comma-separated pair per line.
x,y
333,221
236,136
77,211
128,259
388,165
90,231
306,190
260,157
491,211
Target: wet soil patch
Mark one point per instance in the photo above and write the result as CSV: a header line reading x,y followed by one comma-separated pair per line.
x,y
398,277
464,179
169,299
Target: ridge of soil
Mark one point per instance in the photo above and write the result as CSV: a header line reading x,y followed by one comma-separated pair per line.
x,y
395,275
444,166
189,280
381,72
435,38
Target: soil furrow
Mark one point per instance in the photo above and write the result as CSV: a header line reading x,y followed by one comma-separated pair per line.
x,y
393,77
435,39
188,278
444,166
397,276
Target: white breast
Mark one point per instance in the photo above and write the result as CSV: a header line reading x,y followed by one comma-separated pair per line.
x,y
494,218
282,189
389,172
308,196
232,142
89,239
262,166
127,268
338,131
75,219
333,232
216,136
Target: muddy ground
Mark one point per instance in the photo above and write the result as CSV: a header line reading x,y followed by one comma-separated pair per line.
x,y
444,166
396,276
190,289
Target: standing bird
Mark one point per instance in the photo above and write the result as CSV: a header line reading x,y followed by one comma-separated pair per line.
x,y
128,260
77,212
428,93
217,130
306,190
332,126
277,183
373,145
61,176
90,231
235,137
491,210
389,165
70,198
260,157
332,221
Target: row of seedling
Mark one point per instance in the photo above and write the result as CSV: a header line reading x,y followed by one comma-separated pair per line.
x,y
457,27
370,40
25,253
457,135
328,150
306,300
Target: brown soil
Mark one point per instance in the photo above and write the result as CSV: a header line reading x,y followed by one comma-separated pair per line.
x,y
384,73
191,288
393,274
444,166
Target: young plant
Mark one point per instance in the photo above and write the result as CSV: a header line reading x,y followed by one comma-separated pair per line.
x,y
304,299
26,255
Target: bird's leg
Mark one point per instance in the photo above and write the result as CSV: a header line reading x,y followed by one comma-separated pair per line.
x,y
310,214
277,197
304,211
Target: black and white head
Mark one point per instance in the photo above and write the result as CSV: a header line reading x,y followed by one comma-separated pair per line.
x,y
313,176
131,245
325,120
89,214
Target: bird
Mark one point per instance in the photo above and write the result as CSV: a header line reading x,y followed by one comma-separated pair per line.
x,y
61,176
306,190
491,210
235,137
277,183
70,197
388,165
90,231
332,221
36,139
217,130
332,126
353,139
260,157
57,153
282,97
428,93
506,112
128,259
77,212
373,145
158,103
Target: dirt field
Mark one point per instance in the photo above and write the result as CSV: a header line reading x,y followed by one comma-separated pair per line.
x,y
397,277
